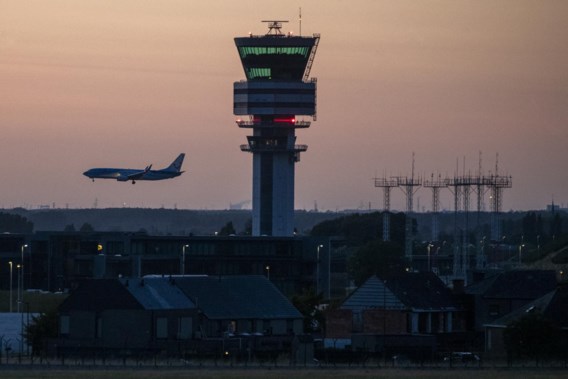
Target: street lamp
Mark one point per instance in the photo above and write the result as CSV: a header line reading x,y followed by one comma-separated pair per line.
x,y
182,268
11,264
268,272
520,252
318,269
18,267
430,246
21,298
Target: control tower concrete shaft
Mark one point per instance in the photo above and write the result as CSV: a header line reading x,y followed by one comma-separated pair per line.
x,y
275,92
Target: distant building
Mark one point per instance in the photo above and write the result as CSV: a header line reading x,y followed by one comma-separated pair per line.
x,y
502,293
411,307
554,308
56,260
175,315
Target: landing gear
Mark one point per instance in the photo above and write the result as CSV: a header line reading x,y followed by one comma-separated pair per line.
x,y
133,182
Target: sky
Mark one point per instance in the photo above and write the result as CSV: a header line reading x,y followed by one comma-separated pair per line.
x,y
128,83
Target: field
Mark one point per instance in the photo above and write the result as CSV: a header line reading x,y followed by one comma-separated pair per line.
x,y
258,373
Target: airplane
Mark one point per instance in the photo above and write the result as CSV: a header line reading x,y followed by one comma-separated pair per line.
x,y
127,174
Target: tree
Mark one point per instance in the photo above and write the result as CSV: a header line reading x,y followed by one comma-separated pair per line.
x,y
87,228
13,223
308,304
228,229
533,337
69,228
556,226
39,330
376,258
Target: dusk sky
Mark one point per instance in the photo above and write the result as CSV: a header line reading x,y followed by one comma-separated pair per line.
x,y
127,83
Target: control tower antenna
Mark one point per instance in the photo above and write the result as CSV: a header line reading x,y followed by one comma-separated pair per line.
x,y
274,27
300,21
272,96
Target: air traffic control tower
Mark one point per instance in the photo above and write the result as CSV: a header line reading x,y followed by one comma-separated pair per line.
x,y
276,91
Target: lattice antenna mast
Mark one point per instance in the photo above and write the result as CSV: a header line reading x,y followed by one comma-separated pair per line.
x,y
496,184
386,185
409,186
436,185
480,189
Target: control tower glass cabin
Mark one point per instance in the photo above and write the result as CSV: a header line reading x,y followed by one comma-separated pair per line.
x,y
275,92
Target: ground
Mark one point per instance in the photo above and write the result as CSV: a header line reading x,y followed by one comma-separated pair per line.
x,y
284,373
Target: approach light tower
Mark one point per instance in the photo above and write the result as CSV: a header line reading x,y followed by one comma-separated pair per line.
x,y
277,90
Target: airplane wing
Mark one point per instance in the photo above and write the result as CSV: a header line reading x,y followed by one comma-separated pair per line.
x,y
139,174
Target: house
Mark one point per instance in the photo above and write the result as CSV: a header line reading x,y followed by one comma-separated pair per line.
x,y
171,314
414,307
502,293
553,306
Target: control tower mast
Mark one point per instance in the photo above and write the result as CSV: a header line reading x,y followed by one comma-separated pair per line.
x,y
275,92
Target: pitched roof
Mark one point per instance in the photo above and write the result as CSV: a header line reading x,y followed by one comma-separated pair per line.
x,y
158,293
417,291
237,297
553,306
422,291
229,297
372,294
516,284
98,295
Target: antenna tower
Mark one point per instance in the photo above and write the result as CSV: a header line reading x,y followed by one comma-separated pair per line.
x,y
386,185
436,185
409,186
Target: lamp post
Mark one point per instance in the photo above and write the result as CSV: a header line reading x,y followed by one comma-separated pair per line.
x,y
19,268
521,252
268,272
11,302
430,246
182,268
318,269
21,298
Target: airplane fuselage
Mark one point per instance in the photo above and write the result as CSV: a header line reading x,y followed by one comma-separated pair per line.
x,y
127,174
122,174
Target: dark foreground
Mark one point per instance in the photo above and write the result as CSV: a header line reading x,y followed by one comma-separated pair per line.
x,y
85,372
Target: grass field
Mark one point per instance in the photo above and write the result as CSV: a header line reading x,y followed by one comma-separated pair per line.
x,y
256,373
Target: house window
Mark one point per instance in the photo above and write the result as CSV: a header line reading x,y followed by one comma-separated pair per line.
x,y
184,328
162,327
64,325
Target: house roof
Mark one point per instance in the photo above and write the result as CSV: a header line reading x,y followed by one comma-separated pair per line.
x,y
237,297
372,294
516,284
553,306
229,297
98,295
158,293
417,291
422,291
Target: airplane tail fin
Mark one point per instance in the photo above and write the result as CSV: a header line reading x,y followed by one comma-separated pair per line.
x,y
176,164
